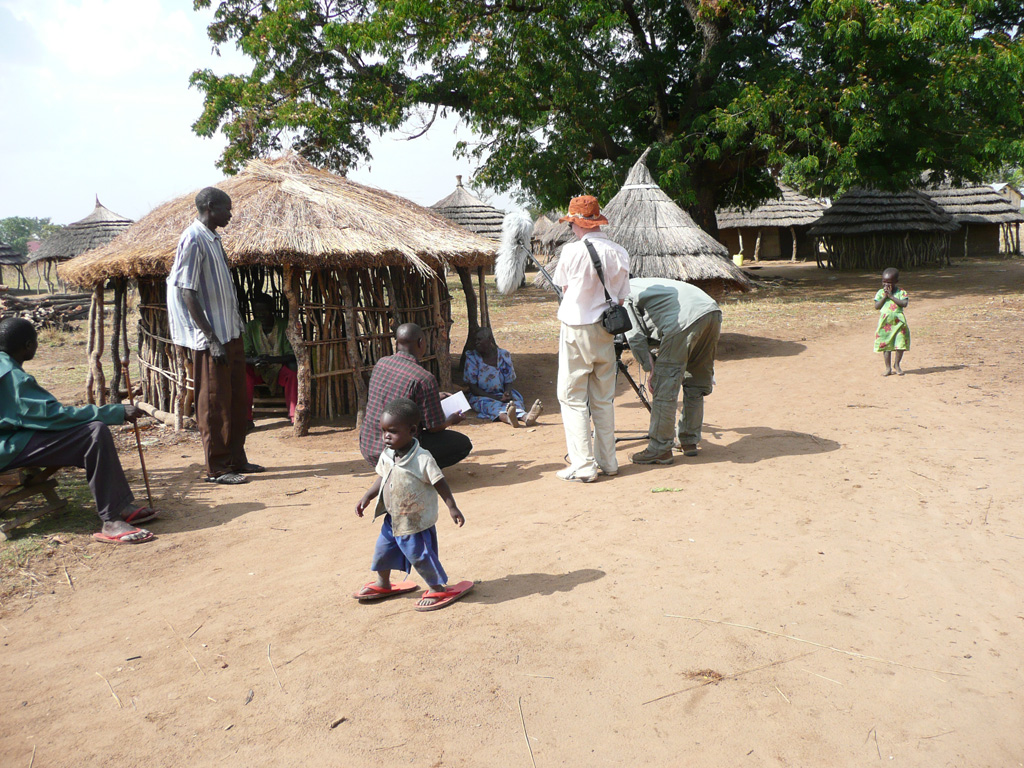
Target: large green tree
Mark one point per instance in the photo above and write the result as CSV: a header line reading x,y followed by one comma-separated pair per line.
x,y
565,95
16,231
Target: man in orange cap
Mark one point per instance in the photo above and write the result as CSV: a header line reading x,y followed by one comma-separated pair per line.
x,y
586,351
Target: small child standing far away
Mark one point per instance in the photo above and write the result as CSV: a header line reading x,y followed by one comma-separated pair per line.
x,y
893,334
408,538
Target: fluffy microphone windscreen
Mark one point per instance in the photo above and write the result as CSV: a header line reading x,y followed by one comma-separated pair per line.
x,y
510,266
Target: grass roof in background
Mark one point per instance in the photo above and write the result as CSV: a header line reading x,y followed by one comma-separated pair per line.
x,y
861,211
662,239
468,211
790,209
98,228
975,205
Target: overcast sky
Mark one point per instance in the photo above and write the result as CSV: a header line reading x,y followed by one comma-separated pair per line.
x,y
94,99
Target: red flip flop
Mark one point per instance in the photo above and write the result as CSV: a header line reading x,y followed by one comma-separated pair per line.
x,y
447,597
120,538
379,593
141,515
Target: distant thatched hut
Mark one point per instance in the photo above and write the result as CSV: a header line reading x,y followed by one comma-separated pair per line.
x,y
466,210
990,223
662,239
541,227
550,242
11,258
776,228
97,229
869,229
348,261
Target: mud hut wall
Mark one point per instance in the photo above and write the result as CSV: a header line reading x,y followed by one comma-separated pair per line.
x,y
877,251
983,240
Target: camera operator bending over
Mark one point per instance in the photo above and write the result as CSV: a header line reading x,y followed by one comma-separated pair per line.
x,y
686,323
586,351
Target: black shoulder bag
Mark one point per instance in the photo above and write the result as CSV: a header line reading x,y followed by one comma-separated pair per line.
x,y
615,319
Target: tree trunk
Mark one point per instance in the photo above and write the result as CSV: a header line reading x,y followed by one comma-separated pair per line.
x,y
467,287
96,383
757,247
704,211
792,233
291,290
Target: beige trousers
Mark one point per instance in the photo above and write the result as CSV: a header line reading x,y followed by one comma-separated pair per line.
x,y
586,393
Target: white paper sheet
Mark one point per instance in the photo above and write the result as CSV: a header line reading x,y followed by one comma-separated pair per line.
x,y
456,403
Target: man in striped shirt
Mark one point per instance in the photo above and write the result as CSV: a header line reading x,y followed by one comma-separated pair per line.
x,y
202,309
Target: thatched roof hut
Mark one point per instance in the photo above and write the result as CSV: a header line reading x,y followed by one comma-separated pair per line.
x,y
11,258
463,208
541,227
776,227
663,241
349,262
989,222
870,229
98,228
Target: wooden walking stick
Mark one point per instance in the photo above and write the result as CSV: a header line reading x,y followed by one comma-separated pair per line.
x,y
138,440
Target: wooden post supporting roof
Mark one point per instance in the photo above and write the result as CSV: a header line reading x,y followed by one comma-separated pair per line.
x,y
441,338
295,338
95,383
355,359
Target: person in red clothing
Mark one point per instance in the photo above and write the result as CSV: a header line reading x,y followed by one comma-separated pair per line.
x,y
269,358
401,375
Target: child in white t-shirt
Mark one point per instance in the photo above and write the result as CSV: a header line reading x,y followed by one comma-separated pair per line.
x,y
407,487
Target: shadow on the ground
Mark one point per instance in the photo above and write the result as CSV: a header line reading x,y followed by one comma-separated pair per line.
x,y
468,476
742,346
760,443
517,585
933,369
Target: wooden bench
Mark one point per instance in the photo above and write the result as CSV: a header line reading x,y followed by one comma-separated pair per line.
x,y
23,483
263,404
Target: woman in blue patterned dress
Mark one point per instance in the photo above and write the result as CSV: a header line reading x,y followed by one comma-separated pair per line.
x,y
489,374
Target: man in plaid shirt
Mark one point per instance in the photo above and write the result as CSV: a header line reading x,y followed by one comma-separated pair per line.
x,y
401,375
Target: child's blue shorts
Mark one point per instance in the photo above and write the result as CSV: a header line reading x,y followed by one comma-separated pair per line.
x,y
404,553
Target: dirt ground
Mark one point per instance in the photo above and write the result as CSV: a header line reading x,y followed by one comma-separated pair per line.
x,y
836,579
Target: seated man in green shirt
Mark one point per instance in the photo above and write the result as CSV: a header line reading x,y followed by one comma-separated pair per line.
x,y
37,431
269,358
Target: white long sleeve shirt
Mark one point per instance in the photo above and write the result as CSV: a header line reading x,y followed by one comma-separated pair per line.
x,y
583,300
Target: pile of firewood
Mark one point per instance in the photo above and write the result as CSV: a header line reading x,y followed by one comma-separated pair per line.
x,y
53,311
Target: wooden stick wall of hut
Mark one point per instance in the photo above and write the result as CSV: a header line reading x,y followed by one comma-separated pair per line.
x,y
138,440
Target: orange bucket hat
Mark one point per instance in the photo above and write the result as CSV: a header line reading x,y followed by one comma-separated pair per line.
x,y
585,212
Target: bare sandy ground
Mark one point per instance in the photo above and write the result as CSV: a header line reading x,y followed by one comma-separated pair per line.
x,y
836,580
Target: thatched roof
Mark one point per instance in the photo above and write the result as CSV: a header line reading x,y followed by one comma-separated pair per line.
x,y
862,211
555,236
541,226
10,257
469,212
285,211
662,240
790,210
975,205
98,228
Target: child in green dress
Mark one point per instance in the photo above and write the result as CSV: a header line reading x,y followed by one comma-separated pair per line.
x,y
893,334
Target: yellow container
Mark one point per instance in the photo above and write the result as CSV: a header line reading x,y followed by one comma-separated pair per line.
x,y
737,259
